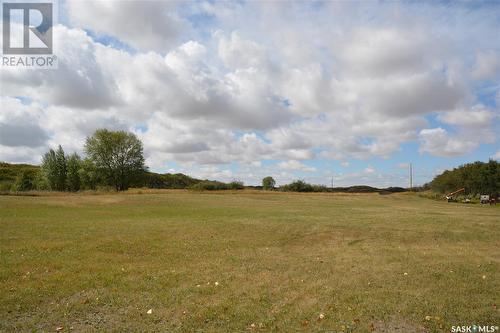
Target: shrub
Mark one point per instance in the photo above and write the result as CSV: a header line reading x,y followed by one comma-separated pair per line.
x,y
236,185
9,174
26,181
209,185
168,180
319,188
297,186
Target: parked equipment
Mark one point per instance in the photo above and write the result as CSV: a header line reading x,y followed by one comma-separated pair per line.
x,y
484,199
449,196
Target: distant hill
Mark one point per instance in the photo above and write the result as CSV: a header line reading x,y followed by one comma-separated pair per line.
x,y
168,180
9,172
477,178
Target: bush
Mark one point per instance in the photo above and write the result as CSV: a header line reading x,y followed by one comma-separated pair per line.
x,y
236,185
26,181
9,174
320,188
297,186
430,195
209,185
362,189
396,189
168,180
41,182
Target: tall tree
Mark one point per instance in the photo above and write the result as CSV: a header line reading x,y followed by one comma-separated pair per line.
x,y
73,177
268,183
89,177
62,169
54,168
117,155
49,168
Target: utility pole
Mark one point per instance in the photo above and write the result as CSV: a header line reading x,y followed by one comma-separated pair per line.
x,y
411,176
332,183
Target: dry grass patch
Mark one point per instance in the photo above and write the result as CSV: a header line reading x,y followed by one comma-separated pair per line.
x,y
282,262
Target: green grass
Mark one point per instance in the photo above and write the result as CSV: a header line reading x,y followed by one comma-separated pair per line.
x,y
100,262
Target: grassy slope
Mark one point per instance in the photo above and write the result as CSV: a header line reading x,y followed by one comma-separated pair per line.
x,y
9,173
280,260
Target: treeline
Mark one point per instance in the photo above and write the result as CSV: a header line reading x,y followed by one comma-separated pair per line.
x,y
302,186
477,178
181,181
19,177
114,159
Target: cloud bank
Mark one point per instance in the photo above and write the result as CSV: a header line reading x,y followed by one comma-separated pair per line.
x,y
242,90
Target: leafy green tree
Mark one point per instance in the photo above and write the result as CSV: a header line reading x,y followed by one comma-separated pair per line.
x,y
236,185
49,168
117,155
89,177
41,182
55,169
476,178
62,169
268,183
74,163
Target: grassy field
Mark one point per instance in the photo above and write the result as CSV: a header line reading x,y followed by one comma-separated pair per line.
x,y
246,261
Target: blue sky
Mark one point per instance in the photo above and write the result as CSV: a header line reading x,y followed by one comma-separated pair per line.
x,y
243,90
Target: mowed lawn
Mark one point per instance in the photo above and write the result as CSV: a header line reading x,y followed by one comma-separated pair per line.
x,y
246,261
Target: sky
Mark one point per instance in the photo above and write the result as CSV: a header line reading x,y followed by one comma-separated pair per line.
x,y
240,90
